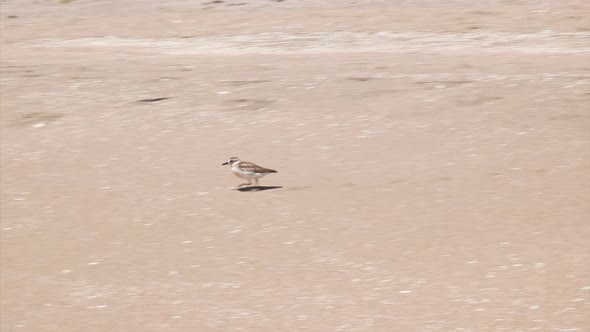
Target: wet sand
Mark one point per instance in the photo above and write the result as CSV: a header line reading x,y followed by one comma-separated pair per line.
x,y
434,166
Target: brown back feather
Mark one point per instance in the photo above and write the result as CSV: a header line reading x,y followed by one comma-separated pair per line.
x,y
251,167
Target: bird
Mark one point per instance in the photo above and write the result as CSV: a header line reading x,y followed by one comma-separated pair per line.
x,y
247,170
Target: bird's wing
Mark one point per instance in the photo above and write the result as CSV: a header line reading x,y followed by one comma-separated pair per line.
x,y
251,167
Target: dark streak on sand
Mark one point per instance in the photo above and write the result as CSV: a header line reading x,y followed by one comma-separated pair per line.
x,y
152,100
258,188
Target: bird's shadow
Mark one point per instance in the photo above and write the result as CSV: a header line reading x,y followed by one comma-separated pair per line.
x,y
258,188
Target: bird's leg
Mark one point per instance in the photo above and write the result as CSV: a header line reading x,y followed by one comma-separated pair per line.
x,y
244,184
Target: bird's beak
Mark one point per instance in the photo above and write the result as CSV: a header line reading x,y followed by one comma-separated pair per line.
x,y
225,163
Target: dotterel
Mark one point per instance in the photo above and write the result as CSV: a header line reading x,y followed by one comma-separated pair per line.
x,y
248,171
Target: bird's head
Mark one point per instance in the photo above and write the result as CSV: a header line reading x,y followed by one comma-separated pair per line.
x,y
231,161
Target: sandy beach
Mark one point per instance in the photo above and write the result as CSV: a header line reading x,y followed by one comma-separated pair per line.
x,y
433,165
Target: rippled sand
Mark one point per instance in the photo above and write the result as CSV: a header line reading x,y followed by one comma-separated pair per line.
x,y
434,166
